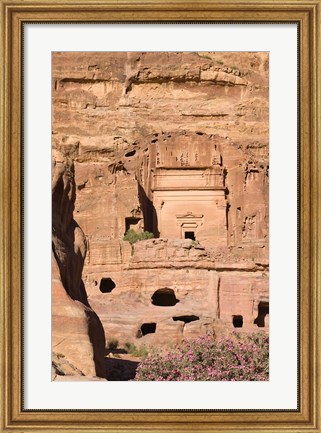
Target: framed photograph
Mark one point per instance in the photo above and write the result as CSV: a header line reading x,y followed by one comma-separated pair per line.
x,y
160,204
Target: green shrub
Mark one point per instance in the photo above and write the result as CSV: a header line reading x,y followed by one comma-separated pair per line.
x,y
129,346
132,236
112,343
141,352
204,56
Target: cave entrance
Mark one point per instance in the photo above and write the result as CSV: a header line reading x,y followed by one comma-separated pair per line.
x,y
238,321
146,328
189,235
186,319
189,224
164,298
106,285
132,223
263,311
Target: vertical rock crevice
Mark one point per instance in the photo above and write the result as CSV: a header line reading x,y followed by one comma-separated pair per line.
x,y
77,332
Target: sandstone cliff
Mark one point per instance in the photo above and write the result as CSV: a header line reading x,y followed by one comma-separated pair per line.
x,y
113,116
77,333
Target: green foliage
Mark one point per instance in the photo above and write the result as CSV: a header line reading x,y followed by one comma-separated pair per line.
x,y
132,236
141,352
205,56
234,358
60,355
220,62
112,343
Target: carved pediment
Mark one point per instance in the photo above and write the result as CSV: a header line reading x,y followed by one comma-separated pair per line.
x,y
190,215
189,219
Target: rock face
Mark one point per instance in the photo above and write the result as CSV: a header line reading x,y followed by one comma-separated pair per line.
x,y
77,333
173,289
175,144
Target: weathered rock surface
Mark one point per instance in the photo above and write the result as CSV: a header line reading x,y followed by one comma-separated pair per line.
x,y
77,333
114,114
177,289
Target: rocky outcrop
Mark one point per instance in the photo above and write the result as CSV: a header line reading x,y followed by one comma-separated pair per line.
x,y
168,290
113,116
77,333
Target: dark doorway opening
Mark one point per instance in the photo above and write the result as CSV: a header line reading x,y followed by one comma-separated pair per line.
x,y
106,285
146,328
164,298
263,310
190,235
238,321
131,153
186,319
131,223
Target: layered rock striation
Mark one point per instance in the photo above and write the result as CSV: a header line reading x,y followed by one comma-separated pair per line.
x,y
176,144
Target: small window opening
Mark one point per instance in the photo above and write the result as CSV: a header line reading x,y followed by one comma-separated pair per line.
x,y
190,235
186,319
131,223
164,298
131,153
238,321
146,328
106,285
263,311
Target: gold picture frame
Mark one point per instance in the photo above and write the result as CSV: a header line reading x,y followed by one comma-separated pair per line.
x,y
307,14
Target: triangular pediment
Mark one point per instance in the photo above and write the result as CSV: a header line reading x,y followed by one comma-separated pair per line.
x,y
189,215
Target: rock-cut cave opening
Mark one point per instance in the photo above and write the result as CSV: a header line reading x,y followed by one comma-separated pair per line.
x,y
190,235
131,153
164,297
131,223
263,310
238,321
186,319
106,285
146,328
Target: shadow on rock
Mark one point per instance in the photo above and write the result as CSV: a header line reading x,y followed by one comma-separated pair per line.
x,y
120,369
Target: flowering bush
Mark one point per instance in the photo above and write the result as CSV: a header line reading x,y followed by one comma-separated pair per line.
x,y
234,358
